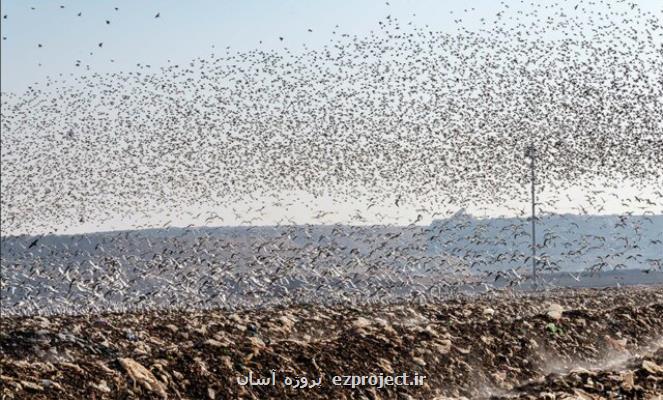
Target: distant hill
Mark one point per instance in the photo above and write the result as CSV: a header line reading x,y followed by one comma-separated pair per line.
x,y
222,266
569,242
565,242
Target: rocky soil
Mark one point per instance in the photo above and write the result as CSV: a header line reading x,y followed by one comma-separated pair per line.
x,y
564,344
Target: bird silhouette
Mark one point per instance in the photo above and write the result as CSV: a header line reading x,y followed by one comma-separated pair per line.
x,y
342,172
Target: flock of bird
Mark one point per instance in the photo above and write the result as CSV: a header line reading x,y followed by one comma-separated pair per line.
x,y
78,14
405,117
238,267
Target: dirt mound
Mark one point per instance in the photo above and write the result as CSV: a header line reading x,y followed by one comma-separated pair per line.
x,y
504,346
639,378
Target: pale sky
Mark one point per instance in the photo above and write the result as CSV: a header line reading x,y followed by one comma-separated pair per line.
x,y
186,30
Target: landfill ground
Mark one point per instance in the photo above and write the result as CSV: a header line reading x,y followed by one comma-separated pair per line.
x,y
561,344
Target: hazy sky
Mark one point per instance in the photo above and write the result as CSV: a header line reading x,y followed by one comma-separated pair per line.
x,y
186,30
183,31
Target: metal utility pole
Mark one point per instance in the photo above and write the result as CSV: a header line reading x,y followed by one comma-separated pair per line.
x,y
531,153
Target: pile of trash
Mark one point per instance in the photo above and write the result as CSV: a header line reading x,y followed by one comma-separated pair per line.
x,y
639,378
586,342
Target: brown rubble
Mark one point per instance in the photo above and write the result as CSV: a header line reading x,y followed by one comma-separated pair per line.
x,y
583,343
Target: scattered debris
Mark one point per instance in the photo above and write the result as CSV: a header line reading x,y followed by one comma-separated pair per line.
x,y
605,343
